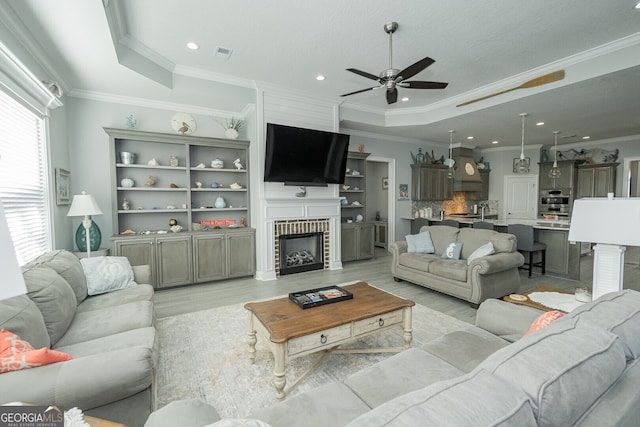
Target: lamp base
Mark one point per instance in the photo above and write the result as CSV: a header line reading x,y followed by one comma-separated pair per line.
x,y
95,237
608,269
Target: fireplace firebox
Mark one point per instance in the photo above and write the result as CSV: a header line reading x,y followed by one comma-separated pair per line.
x,y
301,252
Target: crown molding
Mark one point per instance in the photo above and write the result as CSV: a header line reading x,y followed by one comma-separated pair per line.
x,y
160,105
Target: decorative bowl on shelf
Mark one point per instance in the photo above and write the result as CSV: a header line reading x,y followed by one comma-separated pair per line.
x,y
217,163
235,186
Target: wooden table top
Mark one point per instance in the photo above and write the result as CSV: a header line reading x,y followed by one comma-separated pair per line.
x,y
285,320
537,305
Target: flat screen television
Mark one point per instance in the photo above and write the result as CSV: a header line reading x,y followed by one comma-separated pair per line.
x,y
298,156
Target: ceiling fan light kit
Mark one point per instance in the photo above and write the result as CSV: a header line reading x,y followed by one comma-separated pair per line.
x,y
392,78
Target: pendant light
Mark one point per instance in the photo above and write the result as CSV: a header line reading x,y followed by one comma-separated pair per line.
x,y
522,166
555,172
450,162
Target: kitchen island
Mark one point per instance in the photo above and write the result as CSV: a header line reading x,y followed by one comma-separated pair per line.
x,y
563,257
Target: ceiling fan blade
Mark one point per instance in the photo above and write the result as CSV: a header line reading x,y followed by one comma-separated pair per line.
x,y
392,96
424,85
364,74
538,81
414,69
359,91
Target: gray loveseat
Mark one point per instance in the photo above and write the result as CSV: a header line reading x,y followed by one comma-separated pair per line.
x,y
582,370
490,276
111,338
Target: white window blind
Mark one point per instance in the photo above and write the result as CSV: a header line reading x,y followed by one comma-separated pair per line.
x,y
23,182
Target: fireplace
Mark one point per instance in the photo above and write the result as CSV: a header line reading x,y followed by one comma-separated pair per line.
x,y
301,252
301,245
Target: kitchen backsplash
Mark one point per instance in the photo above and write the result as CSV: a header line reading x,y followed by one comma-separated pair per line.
x,y
455,206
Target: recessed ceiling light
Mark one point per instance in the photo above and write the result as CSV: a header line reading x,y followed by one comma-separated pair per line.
x,y
469,137
320,77
193,46
586,137
405,99
494,142
637,6
540,124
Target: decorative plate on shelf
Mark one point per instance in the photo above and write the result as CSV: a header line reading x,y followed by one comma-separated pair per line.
x,y
183,123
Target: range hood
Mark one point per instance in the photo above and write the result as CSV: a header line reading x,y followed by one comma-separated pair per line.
x,y
466,176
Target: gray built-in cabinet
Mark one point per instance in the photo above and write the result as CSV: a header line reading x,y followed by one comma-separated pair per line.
x,y
430,182
566,180
596,180
226,246
358,235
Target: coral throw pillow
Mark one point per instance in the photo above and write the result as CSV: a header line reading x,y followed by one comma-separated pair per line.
x,y
544,320
16,354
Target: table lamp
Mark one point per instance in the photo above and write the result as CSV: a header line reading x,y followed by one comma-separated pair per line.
x,y
612,224
12,280
88,232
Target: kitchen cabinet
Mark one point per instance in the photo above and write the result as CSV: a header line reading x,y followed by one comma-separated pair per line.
x,y
430,182
483,194
353,191
191,257
596,180
357,241
567,178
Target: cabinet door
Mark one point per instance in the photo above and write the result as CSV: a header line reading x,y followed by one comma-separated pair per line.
x,y
585,183
557,257
241,255
416,183
365,241
210,257
175,261
444,185
348,243
602,181
138,252
566,175
484,193
545,182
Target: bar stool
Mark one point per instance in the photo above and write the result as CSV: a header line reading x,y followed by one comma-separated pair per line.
x,y
526,243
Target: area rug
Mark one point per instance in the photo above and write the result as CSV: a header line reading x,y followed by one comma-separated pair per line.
x,y
204,355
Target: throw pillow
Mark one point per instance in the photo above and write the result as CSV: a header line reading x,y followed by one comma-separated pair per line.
x,y
107,273
420,243
544,320
484,250
452,251
16,354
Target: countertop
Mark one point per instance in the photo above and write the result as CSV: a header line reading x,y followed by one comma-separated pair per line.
x,y
542,224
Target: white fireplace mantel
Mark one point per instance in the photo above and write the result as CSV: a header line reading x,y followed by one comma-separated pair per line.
x,y
289,208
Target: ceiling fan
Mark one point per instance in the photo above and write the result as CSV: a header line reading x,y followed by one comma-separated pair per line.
x,y
392,78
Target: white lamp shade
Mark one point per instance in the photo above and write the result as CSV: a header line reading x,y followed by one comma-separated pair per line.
x,y
608,221
84,205
12,283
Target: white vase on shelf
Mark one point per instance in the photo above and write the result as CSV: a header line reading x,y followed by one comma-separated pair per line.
x,y
231,133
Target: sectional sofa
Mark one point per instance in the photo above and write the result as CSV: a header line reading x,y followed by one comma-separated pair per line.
x,y
110,336
582,370
489,276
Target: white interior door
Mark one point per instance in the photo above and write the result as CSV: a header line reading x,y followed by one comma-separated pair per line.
x,y
520,197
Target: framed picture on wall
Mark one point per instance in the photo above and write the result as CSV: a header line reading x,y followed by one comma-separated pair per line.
x,y
403,192
63,187
385,183
515,164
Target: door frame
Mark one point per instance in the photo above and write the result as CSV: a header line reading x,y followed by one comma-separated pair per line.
x,y
391,194
625,181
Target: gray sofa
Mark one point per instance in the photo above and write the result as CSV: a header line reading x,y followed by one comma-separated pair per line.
x,y
490,276
582,370
111,338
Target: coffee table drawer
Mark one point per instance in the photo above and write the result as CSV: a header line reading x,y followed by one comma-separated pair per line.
x,y
324,338
377,322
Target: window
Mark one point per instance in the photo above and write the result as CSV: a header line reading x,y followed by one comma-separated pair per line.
x,y
23,178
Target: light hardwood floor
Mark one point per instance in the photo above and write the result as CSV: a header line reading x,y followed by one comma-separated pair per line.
x,y
377,271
